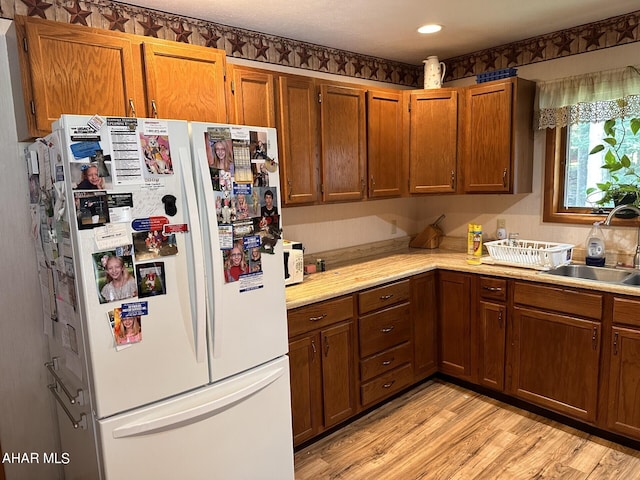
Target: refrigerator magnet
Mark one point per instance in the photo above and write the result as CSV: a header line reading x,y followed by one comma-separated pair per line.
x,y
92,209
151,279
114,274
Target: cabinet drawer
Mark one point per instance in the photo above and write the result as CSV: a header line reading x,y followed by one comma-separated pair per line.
x,y
385,361
384,329
559,299
318,315
387,384
626,312
493,288
384,296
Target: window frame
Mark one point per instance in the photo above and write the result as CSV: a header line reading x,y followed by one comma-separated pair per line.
x,y
554,181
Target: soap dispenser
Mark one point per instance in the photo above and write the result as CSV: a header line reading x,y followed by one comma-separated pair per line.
x,y
595,246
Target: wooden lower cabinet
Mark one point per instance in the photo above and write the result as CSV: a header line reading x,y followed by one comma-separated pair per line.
x,y
556,362
540,343
306,387
337,373
321,358
623,406
454,324
424,312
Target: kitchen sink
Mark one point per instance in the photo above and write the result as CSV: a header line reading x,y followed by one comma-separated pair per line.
x,y
600,274
633,279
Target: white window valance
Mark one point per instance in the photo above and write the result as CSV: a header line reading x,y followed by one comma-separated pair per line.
x,y
591,97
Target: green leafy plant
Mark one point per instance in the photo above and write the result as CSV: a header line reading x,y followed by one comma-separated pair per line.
x,y
623,185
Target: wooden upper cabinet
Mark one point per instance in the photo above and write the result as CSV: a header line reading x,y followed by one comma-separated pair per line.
x,y
387,177
74,70
433,141
298,139
185,82
498,137
343,142
251,99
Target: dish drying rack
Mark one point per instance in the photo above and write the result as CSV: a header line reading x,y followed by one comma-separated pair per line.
x,y
529,253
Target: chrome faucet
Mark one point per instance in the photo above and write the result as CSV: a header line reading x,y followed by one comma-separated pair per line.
x,y
636,210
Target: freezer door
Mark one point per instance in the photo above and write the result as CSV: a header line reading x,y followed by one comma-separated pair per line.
x,y
248,317
237,429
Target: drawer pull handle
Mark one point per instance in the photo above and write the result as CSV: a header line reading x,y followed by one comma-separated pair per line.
x,y
387,329
386,297
389,384
493,289
388,362
315,319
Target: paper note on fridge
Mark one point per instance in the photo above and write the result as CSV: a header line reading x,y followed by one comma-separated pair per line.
x,y
111,236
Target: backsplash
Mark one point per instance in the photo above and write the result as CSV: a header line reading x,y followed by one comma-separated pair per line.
x,y
270,49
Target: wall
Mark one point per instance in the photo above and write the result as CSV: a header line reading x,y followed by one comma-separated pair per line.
x,y
324,228
26,418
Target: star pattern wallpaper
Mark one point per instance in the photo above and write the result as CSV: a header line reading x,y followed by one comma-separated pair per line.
x,y
250,45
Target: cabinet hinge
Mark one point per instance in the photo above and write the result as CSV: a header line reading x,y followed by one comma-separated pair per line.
x,y
33,107
409,107
319,98
25,45
322,188
224,73
233,87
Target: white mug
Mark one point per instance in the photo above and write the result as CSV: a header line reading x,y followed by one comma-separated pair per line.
x,y
434,72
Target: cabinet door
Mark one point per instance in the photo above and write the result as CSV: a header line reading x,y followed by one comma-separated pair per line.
x,y
306,406
185,82
488,138
623,413
76,71
424,308
555,361
433,141
298,134
454,324
492,344
251,99
384,144
338,373
343,145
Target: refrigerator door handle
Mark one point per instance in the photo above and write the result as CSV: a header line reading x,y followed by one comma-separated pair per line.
x,y
161,422
218,273
198,257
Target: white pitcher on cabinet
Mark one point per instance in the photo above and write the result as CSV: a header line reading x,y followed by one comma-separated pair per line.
x,y
434,72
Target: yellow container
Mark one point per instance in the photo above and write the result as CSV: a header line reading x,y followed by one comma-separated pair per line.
x,y
477,241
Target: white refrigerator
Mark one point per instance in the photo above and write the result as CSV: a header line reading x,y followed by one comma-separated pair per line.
x,y
161,269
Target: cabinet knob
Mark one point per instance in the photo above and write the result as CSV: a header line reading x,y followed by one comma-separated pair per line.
x,y
387,329
504,177
388,362
132,108
386,297
154,109
388,384
319,317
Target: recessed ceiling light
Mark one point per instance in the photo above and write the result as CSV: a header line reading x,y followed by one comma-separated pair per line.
x,y
431,28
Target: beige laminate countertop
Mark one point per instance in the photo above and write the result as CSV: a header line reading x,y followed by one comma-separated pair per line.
x,y
370,272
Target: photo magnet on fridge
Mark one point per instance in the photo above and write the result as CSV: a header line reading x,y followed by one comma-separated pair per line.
x,y
114,275
92,209
151,279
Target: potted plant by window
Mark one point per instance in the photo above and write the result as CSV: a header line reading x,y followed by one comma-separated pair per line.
x,y
623,186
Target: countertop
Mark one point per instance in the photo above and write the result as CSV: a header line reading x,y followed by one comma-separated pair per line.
x,y
377,270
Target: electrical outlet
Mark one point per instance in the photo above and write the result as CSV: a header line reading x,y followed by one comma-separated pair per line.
x,y
394,226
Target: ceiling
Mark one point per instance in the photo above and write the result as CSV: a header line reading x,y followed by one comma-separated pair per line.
x,y
387,29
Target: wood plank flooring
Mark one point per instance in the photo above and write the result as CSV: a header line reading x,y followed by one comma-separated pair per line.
x,y
443,431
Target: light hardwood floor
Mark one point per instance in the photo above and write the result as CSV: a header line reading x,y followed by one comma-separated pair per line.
x,y
443,431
